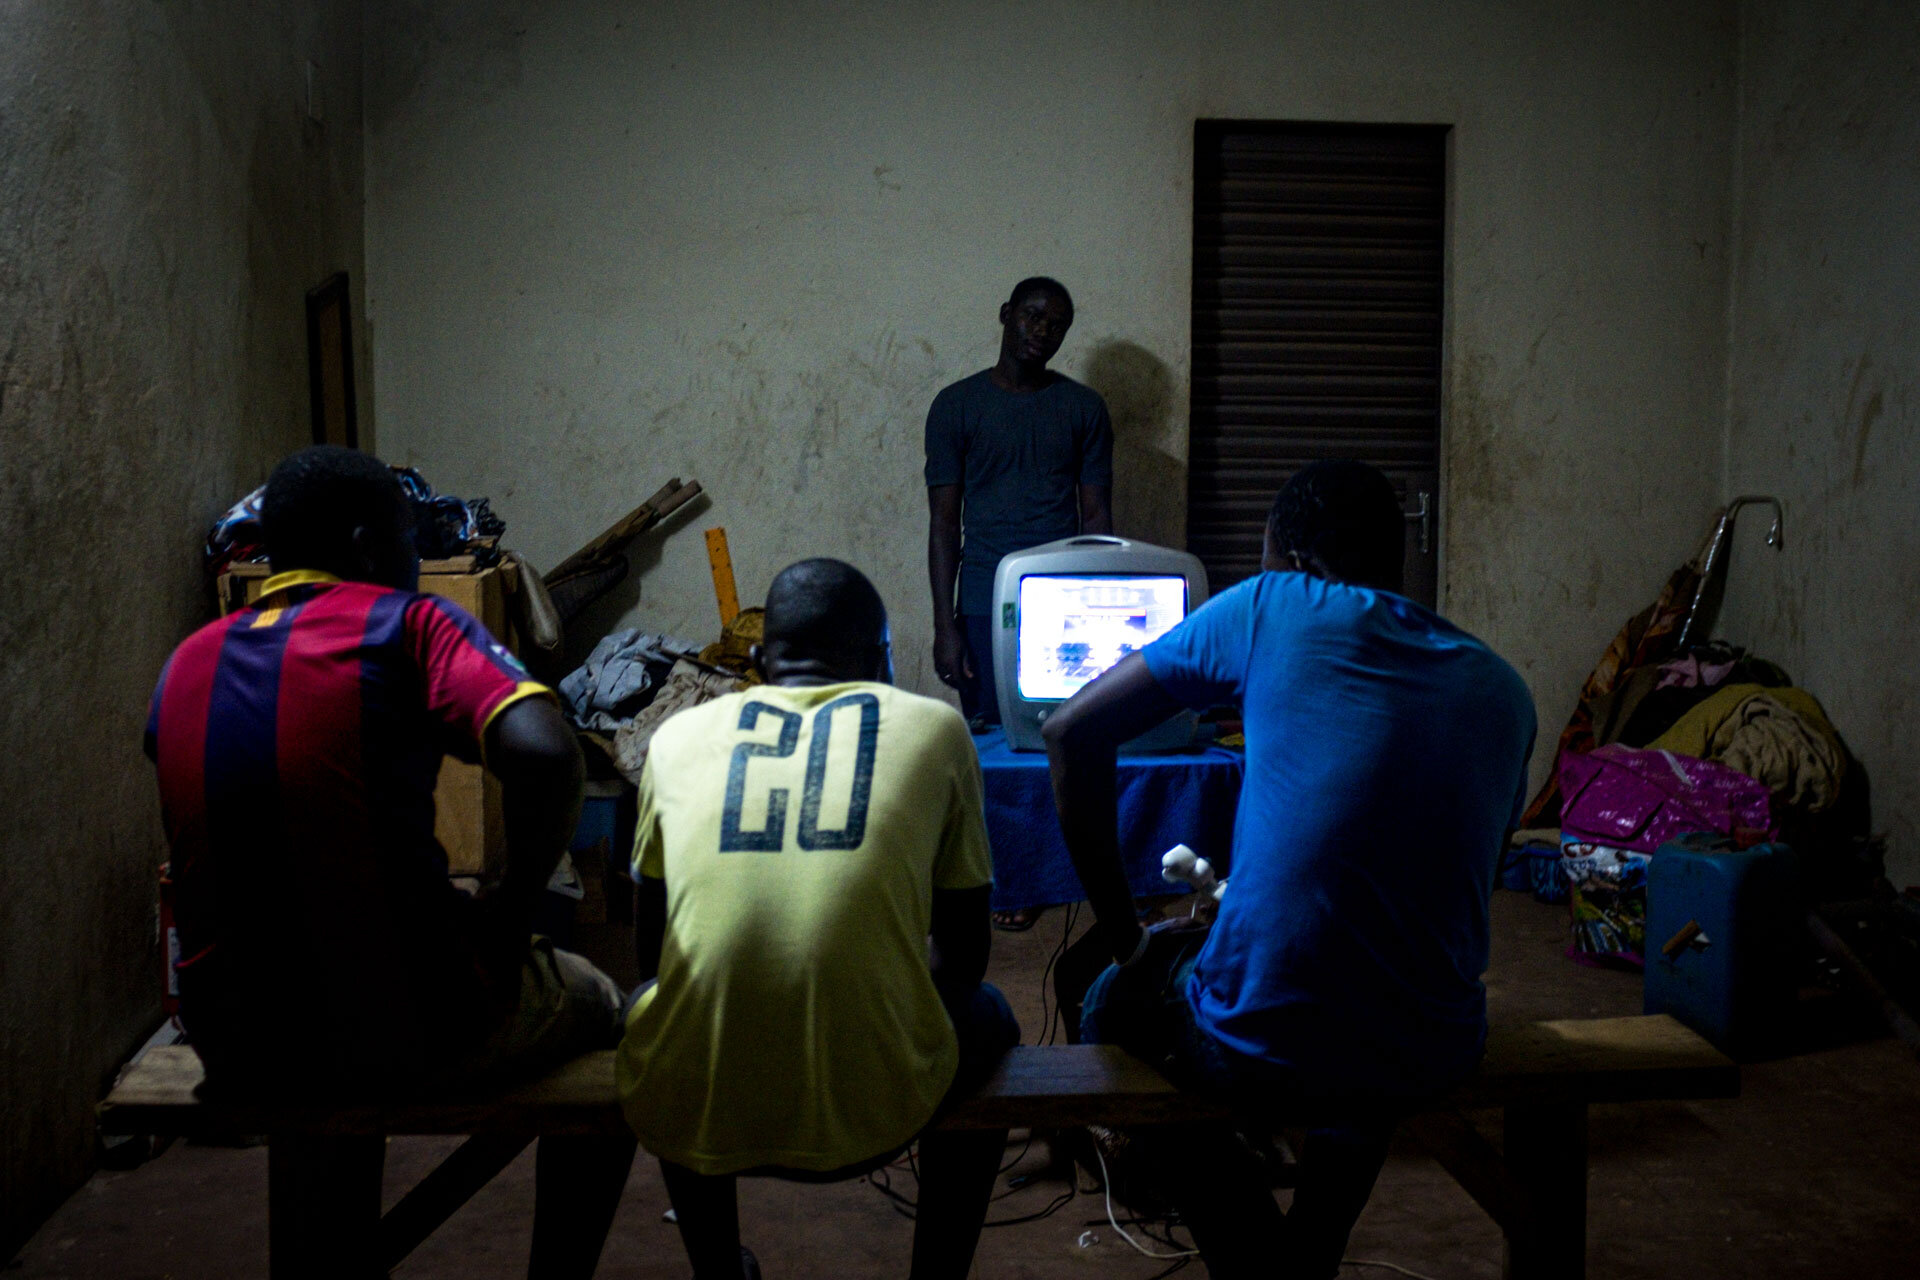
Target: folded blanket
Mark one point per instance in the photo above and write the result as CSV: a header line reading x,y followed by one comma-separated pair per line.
x,y
1781,737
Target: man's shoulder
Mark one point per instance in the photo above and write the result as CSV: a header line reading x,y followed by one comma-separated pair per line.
x,y
1504,683
1275,596
914,725
204,644
1475,670
1285,601
919,709
916,712
965,389
1497,675
212,633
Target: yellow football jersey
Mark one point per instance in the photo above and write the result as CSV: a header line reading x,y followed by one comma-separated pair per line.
x,y
800,833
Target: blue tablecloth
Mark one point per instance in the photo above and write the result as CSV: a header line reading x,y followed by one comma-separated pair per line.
x,y
1164,800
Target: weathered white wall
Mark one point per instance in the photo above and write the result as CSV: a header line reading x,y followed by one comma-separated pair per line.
x,y
1825,375
614,242
164,206
611,242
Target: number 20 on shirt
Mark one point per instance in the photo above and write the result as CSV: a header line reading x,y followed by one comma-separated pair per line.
x,y
855,713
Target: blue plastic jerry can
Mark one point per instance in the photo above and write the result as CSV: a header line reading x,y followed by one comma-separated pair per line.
x,y
1725,937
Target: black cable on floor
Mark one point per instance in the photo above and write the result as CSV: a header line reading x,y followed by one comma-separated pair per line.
x,y
882,1182
1050,1012
1047,1212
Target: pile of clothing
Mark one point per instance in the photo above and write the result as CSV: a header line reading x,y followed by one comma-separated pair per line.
x,y
1711,740
1718,703
634,680
619,679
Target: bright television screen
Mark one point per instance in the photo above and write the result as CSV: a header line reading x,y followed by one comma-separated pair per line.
x,y
1075,626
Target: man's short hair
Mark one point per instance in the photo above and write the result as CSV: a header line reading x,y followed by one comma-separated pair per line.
x,y
317,497
1343,515
825,608
1040,284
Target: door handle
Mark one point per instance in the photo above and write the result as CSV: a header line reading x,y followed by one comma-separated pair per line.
x,y
1424,514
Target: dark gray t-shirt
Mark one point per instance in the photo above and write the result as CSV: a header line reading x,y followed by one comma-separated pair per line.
x,y
1019,458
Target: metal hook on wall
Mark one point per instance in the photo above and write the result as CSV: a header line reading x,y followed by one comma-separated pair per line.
x,y
1713,566
1774,537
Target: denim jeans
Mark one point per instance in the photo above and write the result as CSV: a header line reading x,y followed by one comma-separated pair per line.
x,y
1210,1175
979,696
566,1007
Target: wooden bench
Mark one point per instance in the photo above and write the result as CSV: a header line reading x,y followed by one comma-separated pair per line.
x,y
1533,1185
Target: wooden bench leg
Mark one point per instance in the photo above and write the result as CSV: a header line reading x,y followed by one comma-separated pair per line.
x,y
1545,1145
1475,1163
577,1186
435,1198
323,1206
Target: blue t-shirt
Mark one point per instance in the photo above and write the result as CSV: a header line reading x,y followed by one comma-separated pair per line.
x,y
1020,458
1386,761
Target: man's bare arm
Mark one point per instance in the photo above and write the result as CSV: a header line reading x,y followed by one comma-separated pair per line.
x,y
1096,508
649,924
1082,737
532,751
962,934
950,661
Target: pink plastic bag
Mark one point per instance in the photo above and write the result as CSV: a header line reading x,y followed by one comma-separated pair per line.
x,y
1630,799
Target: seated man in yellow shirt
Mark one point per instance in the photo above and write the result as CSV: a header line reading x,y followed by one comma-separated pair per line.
x,y
798,843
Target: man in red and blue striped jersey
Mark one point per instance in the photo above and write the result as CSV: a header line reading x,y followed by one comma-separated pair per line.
x,y
322,946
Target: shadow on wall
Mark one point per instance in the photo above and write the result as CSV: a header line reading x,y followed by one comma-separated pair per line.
x,y
1149,483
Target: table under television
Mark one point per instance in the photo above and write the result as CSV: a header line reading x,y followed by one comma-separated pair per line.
x,y
1177,798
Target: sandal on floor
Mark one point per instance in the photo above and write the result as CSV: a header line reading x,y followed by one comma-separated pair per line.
x,y
1018,920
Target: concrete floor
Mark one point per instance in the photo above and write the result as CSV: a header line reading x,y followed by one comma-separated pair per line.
x,y
1814,1171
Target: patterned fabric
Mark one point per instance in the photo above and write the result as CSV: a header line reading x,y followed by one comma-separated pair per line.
x,y
1647,638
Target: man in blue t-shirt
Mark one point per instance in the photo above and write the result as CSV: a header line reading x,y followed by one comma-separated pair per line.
x,y
1340,985
1018,455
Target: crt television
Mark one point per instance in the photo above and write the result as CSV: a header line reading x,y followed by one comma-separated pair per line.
x,y
1068,610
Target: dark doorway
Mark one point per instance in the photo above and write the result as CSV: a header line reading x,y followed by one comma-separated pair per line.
x,y
336,419
1318,263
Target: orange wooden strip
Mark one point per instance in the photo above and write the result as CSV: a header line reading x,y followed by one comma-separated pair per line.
x,y
721,561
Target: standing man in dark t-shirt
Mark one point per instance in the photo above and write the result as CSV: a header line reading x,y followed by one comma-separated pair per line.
x,y
1027,455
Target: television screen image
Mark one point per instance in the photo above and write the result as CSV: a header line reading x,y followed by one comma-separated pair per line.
x,y
1068,610
1075,626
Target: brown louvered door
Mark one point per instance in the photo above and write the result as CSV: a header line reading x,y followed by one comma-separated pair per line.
x,y
1317,272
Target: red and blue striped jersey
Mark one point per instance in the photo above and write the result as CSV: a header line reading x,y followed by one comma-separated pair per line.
x,y
298,743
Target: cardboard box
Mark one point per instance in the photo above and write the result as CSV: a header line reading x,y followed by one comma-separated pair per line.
x,y
467,817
